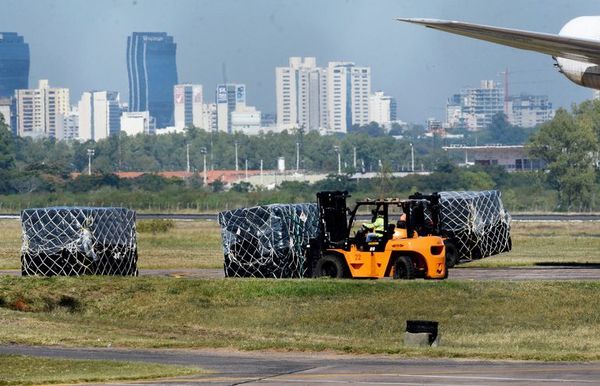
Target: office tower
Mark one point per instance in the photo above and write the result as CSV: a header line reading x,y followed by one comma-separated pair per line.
x,y
152,71
99,115
348,89
298,90
14,64
188,106
228,98
37,110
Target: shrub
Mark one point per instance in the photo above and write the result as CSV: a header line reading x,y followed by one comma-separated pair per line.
x,y
155,226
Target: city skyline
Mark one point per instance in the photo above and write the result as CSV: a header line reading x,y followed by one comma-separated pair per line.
x,y
83,43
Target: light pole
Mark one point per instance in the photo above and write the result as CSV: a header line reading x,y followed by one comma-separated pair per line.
x,y
90,153
297,156
339,154
354,160
203,152
412,158
236,156
187,152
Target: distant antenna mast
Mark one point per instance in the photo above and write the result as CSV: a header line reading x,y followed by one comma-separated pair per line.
x,y
506,91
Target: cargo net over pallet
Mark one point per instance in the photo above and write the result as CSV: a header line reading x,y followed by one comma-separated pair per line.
x,y
268,241
64,241
476,223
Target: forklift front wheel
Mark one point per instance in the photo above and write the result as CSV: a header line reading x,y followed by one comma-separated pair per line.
x,y
330,266
404,269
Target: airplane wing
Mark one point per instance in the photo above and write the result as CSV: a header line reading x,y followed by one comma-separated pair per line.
x,y
583,50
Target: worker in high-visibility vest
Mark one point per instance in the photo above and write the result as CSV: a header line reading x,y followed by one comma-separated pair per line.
x,y
376,228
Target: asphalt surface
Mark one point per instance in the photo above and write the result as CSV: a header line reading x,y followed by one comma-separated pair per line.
x,y
574,272
274,368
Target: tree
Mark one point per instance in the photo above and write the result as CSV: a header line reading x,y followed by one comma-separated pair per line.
x,y
7,156
567,144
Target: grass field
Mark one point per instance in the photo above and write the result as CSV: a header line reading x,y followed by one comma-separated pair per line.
x,y
197,244
518,320
27,370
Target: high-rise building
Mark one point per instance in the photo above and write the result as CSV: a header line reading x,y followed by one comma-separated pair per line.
x,y
209,115
298,89
188,106
228,98
348,89
382,108
138,122
474,108
14,64
67,127
99,115
152,71
332,98
529,110
38,110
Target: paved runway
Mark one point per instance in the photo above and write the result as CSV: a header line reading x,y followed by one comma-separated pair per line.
x,y
273,368
583,272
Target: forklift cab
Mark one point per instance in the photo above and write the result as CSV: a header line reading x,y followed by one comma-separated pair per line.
x,y
342,250
337,221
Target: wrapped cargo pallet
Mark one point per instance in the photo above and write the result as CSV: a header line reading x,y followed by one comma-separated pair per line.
x,y
473,223
268,241
73,241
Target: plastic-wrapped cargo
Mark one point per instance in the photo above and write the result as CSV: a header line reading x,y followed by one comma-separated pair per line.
x,y
475,222
268,241
73,241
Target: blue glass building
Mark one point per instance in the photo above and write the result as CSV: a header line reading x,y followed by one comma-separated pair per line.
x,y
152,71
14,64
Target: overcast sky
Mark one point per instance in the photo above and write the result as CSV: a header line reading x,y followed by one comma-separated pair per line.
x,y
81,44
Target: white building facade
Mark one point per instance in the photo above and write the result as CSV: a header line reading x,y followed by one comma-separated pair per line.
x,y
137,122
38,110
246,119
99,115
382,108
188,109
68,126
330,99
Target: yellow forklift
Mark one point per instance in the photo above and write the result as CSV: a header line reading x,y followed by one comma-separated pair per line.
x,y
404,250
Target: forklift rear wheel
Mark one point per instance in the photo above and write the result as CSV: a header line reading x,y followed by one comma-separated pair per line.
x,y
451,254
404,269
330,266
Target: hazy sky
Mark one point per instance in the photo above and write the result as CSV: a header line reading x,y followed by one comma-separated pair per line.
x,y
81,44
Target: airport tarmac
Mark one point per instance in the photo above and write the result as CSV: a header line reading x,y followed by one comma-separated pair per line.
x,y
551,272
228,367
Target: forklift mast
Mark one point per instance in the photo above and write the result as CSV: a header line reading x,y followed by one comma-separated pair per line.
x,y
333,221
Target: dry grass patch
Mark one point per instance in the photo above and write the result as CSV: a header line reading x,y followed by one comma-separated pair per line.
x,y
26,370
522,320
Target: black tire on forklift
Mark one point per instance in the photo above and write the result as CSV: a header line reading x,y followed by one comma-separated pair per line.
x,y
330,266
451,254
404,268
